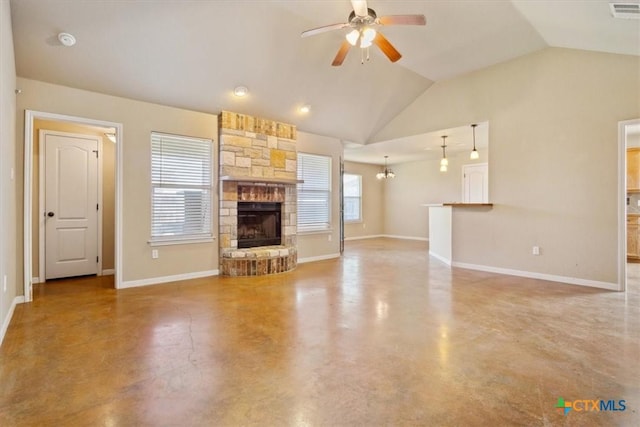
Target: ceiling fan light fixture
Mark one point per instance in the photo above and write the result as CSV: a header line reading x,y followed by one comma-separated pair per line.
x,y
361,25
352,37
368,34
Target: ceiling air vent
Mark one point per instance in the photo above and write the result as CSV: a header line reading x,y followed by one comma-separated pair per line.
x,y
625,10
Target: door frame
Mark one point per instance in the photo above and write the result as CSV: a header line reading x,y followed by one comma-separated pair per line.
x,y
42,193
30,117
622,201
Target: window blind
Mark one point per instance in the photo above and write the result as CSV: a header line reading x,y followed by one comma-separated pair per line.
x,y
181,181
352,197
314,195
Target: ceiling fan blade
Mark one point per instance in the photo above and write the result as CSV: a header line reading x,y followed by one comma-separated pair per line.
x,y
323,29
360,7
386,47
342,53
402,20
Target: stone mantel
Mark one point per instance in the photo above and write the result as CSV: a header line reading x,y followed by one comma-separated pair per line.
x,y
261,180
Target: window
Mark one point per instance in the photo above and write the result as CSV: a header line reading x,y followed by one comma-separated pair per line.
x,y
314,195
181,188
352,197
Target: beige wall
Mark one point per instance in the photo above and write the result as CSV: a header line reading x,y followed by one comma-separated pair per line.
x,y
138,119
108,190
372,223
418,183
553,178
9,198
318,245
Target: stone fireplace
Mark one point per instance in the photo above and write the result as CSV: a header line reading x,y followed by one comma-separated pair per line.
x,y
258,177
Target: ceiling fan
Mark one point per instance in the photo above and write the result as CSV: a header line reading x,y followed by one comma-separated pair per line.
x,y
362,22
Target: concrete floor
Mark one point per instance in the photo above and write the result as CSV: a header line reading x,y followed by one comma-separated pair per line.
x,y
383,336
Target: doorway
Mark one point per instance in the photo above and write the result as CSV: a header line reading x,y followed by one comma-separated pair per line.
x,y
108,137
629,204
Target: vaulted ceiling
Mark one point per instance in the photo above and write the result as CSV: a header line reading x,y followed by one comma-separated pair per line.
x,y
192,53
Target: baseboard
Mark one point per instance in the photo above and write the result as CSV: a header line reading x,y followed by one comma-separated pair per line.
x,y
388,236
35,280
167,279
108,272
372,236
440,258
393,236
7,319
541,276
317,258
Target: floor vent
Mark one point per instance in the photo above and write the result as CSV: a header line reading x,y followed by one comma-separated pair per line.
x,y
625,10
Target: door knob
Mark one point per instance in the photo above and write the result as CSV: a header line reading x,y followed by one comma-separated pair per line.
x,y
50,214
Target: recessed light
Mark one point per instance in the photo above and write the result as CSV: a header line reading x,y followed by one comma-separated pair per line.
x,y
66,39
240,91
305,108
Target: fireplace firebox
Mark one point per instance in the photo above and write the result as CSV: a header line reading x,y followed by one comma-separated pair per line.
x,y
259,224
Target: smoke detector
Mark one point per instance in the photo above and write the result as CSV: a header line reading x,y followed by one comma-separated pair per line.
x,y
66,39
625,10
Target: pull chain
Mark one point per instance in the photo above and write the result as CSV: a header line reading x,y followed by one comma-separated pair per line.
x,y
362,57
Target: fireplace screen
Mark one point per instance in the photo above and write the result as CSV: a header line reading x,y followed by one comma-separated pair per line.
x,y
258,224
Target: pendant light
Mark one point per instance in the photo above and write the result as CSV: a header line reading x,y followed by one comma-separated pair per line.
x,y
386,173
474,153
444,162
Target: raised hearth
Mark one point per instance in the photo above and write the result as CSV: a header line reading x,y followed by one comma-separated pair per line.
x,y
259,261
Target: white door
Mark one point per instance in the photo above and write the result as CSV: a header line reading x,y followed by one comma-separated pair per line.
x,y
71,204
475,180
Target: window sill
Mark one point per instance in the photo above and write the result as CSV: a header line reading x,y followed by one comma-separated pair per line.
x,y
180,241
310,232
353,221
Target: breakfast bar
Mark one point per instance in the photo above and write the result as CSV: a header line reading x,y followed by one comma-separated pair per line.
x,y
441,227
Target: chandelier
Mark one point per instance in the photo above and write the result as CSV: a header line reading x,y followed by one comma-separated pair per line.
x,y
386,173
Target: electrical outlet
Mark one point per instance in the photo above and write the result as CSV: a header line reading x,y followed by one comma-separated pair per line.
x,y
4,281
536,250
329,237
154,253
364,225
